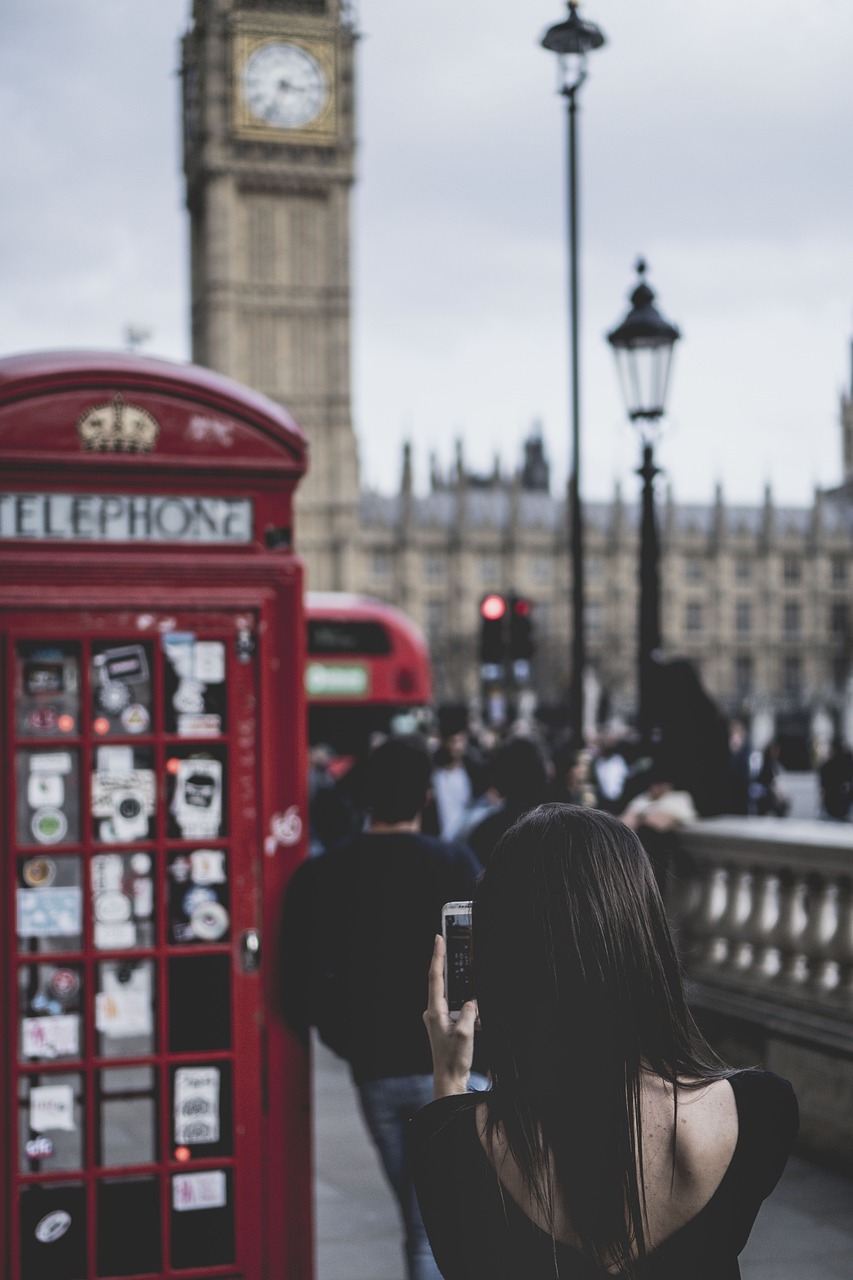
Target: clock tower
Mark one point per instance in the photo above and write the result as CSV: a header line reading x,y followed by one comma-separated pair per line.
x,y
269,161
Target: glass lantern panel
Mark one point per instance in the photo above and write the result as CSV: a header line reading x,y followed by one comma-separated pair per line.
x,y
122,900
48,797
122,698
123,794
48,904
202,1218
129,1234
127,1119
47,689
53,1232
125,1009
50,1122
50,1000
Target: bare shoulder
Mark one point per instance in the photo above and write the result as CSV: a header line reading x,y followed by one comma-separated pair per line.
x,y
707,1132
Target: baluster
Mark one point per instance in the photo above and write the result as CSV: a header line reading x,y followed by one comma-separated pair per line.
x,y
789,929
710,948
818,935
841,948
763,919
734,922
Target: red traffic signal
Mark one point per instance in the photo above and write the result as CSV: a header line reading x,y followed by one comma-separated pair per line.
x,y
521,642
493,608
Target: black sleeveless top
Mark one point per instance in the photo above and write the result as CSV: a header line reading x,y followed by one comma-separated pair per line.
x,y
478,1232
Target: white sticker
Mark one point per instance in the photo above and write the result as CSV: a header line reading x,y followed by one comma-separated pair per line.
x,y
50,913
52,1226
207,1190
107,872
123,1009
114,937
196,1105
209,921
178,648
45,789
189,697
130,817
197,802
115,760
52,1107
199,726
208,866
143,898
112,908
51,762
140,864
209,661
52,1037
139,782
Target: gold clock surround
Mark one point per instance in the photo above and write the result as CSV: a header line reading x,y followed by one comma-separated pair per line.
x,y
323,129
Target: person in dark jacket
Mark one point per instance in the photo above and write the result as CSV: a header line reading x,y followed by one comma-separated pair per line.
x,y
520,776
357,933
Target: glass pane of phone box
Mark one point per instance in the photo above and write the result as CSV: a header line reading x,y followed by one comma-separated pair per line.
x,y
47,689
199,1003
203,1233
53,1232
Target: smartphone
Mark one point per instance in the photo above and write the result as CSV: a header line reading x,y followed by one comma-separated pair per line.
x,y
458,969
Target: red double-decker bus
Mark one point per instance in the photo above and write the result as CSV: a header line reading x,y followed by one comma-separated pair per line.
x,y
367,670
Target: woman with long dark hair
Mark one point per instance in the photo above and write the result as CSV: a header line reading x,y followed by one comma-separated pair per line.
x,y
613,1140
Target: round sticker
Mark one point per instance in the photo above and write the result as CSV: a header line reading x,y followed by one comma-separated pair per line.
x,y
112,907
64,984
39,872
101,725
65,724
140,864
135,718
197,897
49,825
43,719
39,1148
130,805
53,1226
209,921
114,697
180,869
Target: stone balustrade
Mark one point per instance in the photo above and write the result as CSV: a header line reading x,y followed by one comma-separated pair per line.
x,y
763,908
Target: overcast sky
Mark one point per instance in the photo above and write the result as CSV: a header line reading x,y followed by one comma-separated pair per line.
x,y
715,140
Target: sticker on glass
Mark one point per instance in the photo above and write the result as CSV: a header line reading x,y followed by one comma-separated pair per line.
x,y
49,913
197,801
45,789
209,921
135,718
53,1226
204,1190
125,1008
52,1107
209,661
117,673
196,1105
123,802
64,984
107,873
207,866
39,1148
51,1037
49,826
51,762
39,873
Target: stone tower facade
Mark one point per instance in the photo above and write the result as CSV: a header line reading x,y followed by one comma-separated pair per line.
x,y
847,428
269,150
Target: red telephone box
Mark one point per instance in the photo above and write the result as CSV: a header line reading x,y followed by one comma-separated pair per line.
x,y
152,795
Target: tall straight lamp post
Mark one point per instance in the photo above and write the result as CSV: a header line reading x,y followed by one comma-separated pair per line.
x,y
643,345
572,40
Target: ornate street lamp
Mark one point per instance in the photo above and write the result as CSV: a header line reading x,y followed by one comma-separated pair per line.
x,y
643,344
572,40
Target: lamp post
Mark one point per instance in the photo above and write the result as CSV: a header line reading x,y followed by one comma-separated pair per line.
x,y
572,40
643,344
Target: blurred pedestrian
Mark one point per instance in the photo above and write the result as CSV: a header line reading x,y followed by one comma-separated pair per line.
x,y
459,774
610,769
357,933
836,781
767,796
519,774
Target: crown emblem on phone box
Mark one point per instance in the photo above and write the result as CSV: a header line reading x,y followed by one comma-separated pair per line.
x,y
118,428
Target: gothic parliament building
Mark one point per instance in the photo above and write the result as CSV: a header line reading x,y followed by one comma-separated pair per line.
x,y
758,597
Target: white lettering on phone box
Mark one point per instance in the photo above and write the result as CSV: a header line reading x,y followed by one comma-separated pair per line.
x,y
207,1190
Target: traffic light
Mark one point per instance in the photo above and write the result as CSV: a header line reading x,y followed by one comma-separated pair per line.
x,y
521,644
492,630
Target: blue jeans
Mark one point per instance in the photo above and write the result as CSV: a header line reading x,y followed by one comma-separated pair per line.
x,y
388,1106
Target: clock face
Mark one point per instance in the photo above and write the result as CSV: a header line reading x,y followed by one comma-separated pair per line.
x,y
284,86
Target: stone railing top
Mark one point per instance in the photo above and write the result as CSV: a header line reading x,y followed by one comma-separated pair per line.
x,y
797,841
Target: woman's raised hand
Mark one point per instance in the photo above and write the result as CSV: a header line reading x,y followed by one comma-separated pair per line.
x,y
452,1042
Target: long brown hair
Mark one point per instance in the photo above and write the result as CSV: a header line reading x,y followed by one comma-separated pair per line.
x,y
580,991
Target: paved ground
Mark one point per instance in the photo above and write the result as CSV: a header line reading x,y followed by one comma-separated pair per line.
x,y
804,1232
